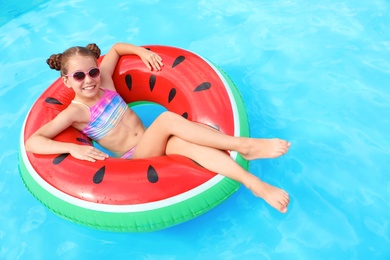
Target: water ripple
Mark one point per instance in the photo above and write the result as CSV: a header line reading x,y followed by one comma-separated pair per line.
x,y
34,218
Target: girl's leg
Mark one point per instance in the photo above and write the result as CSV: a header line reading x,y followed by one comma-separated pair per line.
x,y
154,140
223,164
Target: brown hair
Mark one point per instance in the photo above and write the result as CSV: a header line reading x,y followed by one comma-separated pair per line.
x,y
60,61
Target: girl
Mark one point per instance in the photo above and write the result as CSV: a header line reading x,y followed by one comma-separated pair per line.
x,y
98,111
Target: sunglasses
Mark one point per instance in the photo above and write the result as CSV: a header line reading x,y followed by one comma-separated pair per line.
x,y
80,75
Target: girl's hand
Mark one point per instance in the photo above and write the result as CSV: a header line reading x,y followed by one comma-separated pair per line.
x,y
152,60
87,153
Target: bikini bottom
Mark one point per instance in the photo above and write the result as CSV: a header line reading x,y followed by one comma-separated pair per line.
x,y
128,154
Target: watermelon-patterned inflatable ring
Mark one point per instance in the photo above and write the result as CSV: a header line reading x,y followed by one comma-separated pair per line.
x,y
143,194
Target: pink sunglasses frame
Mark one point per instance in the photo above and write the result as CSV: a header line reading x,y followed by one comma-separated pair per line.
x,y
85,74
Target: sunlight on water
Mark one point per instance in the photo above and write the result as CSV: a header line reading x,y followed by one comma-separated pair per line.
x,y
315,73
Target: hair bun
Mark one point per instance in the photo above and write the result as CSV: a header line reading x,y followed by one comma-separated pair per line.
x,y
54,61
94,49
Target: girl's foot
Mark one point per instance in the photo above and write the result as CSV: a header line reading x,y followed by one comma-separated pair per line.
x,y
274,196
258,148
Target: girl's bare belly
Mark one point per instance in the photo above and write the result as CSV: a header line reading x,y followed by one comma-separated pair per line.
x,y
125,135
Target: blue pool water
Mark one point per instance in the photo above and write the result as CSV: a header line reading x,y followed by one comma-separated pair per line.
x,y
314,72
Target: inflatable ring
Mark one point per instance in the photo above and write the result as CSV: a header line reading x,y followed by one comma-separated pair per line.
x,y
141,194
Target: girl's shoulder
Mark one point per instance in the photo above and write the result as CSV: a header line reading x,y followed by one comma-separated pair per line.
x,y
75,113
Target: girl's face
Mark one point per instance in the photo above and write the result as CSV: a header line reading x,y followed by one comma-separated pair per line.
x,y
89,86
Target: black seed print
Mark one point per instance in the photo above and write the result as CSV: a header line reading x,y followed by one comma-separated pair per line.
x,y
82,140
152,82
178,60
129,81
203,86
60,158
185,115
172,94
99,175
148,49
51,100
152,174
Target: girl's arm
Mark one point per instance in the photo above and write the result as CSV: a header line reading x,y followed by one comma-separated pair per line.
x,y
110,60
41,142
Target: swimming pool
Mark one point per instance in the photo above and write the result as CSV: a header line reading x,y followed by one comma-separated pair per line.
x,y
313,73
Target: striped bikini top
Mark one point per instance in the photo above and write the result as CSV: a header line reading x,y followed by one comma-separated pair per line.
x,y
105,114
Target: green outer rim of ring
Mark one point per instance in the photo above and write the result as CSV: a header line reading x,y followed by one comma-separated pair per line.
x,y
151,220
